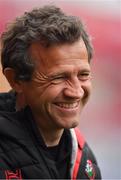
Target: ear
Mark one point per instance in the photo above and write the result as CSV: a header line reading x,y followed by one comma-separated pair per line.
x,y
10,76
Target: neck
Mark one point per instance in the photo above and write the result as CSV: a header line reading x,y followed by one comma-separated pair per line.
x,y
49,132
51,137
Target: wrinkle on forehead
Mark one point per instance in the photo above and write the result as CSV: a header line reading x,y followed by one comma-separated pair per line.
x,y
52,54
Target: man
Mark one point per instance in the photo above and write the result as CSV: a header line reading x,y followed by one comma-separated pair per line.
x,y
46,58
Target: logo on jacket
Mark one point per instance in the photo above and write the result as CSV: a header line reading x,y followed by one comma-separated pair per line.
x,y
89,170
13,175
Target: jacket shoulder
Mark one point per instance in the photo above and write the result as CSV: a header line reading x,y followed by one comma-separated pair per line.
x,y
7,101
11,124
88,167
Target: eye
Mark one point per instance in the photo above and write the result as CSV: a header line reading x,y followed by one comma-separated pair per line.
x,y
58,79
83,76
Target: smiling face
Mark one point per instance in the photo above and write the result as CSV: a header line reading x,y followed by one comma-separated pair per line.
x,y
60,85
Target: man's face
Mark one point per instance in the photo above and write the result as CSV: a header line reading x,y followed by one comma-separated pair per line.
x,y
60,85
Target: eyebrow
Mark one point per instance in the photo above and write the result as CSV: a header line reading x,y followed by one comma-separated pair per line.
x,y
57,74
85,70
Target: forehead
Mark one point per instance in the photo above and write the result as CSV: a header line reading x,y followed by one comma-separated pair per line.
x,y
59,55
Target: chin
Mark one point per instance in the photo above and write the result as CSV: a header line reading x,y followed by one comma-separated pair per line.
x,y
75,124
71,125
65,122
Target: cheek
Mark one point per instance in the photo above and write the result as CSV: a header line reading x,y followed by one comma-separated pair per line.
x,y
87,86
50,93
32,93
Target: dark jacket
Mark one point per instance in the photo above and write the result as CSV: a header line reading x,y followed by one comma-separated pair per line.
x,y
23,154
7,101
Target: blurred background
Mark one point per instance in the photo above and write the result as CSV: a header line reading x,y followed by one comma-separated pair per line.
x,y
101,119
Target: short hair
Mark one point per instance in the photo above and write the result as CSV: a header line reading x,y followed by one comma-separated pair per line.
x,y
48,25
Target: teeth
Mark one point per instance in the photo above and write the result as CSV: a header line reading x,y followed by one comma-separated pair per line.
x,y
68,105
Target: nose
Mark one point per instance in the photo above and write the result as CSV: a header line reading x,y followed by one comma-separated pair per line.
x,y
74,89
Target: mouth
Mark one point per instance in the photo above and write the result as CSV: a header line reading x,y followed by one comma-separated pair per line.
x,y
68,106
